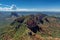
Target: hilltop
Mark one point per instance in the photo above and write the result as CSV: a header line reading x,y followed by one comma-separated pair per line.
x,y
32,27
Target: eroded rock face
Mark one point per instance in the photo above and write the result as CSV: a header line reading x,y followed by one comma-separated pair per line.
x,y
32,22
41,23
36,23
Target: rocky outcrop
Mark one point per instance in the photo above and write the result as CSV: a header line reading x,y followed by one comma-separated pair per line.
x,y
35,27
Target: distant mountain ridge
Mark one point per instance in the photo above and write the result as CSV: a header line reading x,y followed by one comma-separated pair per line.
x,y
25,13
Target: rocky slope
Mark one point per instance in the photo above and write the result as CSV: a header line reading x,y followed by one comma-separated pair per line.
x,y
32,27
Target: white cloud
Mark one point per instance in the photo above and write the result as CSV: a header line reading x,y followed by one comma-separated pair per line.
x,y
4,9
9,8
18,9
14,8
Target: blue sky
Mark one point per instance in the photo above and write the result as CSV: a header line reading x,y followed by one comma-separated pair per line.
x,y
51,5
